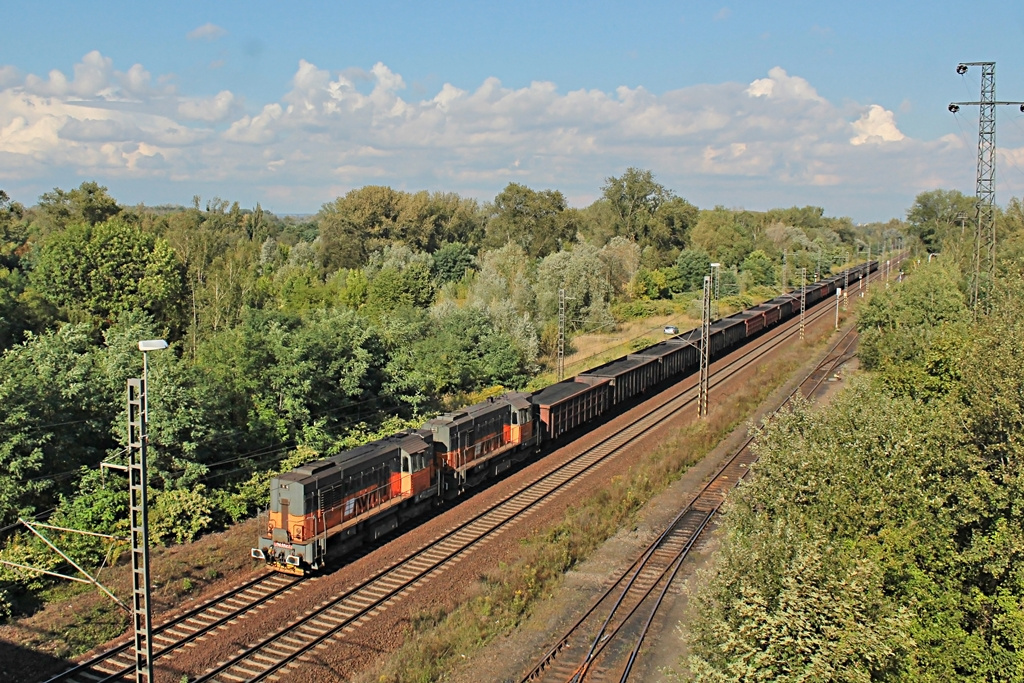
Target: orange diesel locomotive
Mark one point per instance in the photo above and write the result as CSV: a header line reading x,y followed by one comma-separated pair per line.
x,y
368,491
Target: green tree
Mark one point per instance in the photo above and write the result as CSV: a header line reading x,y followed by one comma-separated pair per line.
x,y
900,325
939,214
669,230
426,221
278,376
534,220
584,277
104,269
722,234
399,277
505,274
452,261
692,265
13,231
354,226
89,203
649,284
55,418
622,258
635,197
759,269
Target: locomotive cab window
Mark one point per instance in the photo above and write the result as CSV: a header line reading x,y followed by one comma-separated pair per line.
x,y
524,417
515,417
406,464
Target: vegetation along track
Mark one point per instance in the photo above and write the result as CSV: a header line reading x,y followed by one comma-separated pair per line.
x,y
595,647
118,663
347,612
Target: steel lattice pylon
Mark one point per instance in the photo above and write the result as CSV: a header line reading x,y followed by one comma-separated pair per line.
x,y
705,340
143,613
803,300
985,188
984,266
561,335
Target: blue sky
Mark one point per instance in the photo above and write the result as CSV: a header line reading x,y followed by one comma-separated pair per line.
x,y
841,105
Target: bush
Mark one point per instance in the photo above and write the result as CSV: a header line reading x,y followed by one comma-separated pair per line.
x,y
643,308
180,515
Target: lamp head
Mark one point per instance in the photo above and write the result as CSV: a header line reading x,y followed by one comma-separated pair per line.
x,y
152,345
961,69
954,108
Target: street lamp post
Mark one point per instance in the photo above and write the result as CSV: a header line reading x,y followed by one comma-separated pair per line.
x,y
716,279
138,442
839,293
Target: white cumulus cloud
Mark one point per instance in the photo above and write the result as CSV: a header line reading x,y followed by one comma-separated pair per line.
x,y
216,108
877,125
781,85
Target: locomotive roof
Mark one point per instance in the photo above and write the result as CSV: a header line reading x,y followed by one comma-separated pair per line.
x,y
516,399
409,441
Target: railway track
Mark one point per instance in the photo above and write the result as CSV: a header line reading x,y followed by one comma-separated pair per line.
x,y
344,614
118,663
604,643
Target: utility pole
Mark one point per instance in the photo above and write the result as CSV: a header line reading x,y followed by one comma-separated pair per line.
x,y
985,187
716,280
839,293
803,300
561,335
138,510
705,339
867,275
846,282
138,441
785,269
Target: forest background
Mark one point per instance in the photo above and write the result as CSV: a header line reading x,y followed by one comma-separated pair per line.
x,y
298,337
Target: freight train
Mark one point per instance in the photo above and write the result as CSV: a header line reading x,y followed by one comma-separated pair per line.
x,y
364,493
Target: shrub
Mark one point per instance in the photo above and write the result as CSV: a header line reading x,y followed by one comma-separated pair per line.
x,y
642,308
180,515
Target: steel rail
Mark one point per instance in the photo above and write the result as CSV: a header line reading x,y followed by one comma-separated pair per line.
x,y
112,665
